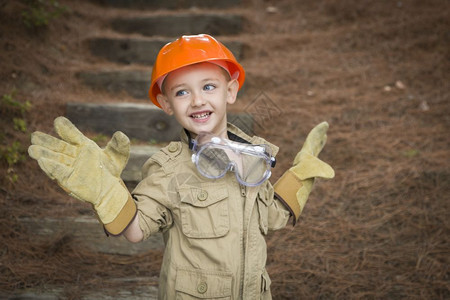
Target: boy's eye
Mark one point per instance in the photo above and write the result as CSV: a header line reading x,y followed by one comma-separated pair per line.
x,y
209,87
181,93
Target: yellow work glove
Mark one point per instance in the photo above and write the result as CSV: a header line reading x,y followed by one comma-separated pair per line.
x,y
295,184
87,172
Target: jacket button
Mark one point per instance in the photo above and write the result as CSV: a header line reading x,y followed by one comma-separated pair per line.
x,y
173,147
202,287
202,196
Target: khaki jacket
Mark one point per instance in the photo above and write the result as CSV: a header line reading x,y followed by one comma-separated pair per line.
x,y
213,229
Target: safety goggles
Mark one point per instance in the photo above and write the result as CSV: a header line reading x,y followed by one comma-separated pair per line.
x,y
215,156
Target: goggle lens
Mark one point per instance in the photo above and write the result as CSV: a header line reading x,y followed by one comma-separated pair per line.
x,y
254,168
213,162
214,157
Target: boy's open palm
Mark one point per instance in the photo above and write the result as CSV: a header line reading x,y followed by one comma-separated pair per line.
x,y
82,168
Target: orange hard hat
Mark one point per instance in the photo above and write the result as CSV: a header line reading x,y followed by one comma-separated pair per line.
x,y
188,50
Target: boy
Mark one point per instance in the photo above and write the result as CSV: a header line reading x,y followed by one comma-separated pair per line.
x,y
208,194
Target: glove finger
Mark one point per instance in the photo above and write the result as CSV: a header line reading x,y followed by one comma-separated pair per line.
x,y
52,143
38,152
117,152
55,170
315,141
68,132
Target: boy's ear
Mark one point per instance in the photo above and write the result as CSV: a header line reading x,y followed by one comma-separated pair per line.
x,y
233,87
165,105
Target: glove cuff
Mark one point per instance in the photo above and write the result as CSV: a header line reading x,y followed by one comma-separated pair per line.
x,y
123,219
286,189
117,209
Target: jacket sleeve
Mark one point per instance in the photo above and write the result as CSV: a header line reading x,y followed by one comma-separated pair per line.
x,y
278,214
151,198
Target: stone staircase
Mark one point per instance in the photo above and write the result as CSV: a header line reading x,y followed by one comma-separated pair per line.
x,y
141,120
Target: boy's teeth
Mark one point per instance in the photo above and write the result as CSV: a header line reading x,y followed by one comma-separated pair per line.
x,y
200,116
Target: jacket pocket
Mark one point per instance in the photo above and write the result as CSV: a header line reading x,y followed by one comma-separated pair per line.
x,y
202,284
204,210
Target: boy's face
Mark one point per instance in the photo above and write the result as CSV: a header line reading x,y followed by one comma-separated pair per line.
x,y
197,95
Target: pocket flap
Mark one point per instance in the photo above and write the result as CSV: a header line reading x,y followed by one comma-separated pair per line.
x,y
203,284
203,195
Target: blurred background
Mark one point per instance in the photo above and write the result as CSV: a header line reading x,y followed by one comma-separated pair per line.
x,y
376,71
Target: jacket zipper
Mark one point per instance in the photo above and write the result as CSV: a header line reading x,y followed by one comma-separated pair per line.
x,y
244,234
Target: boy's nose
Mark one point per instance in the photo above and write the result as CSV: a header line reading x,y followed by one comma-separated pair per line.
x,y
197,99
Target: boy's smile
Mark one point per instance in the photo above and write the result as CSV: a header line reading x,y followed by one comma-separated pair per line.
x,y
201,116
197,95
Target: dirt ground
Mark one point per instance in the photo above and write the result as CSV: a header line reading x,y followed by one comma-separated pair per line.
x,y
377,71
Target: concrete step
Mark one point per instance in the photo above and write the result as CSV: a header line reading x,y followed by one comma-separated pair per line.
x,y
87,230
179,24
170,4
145,122
133,82
141,50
